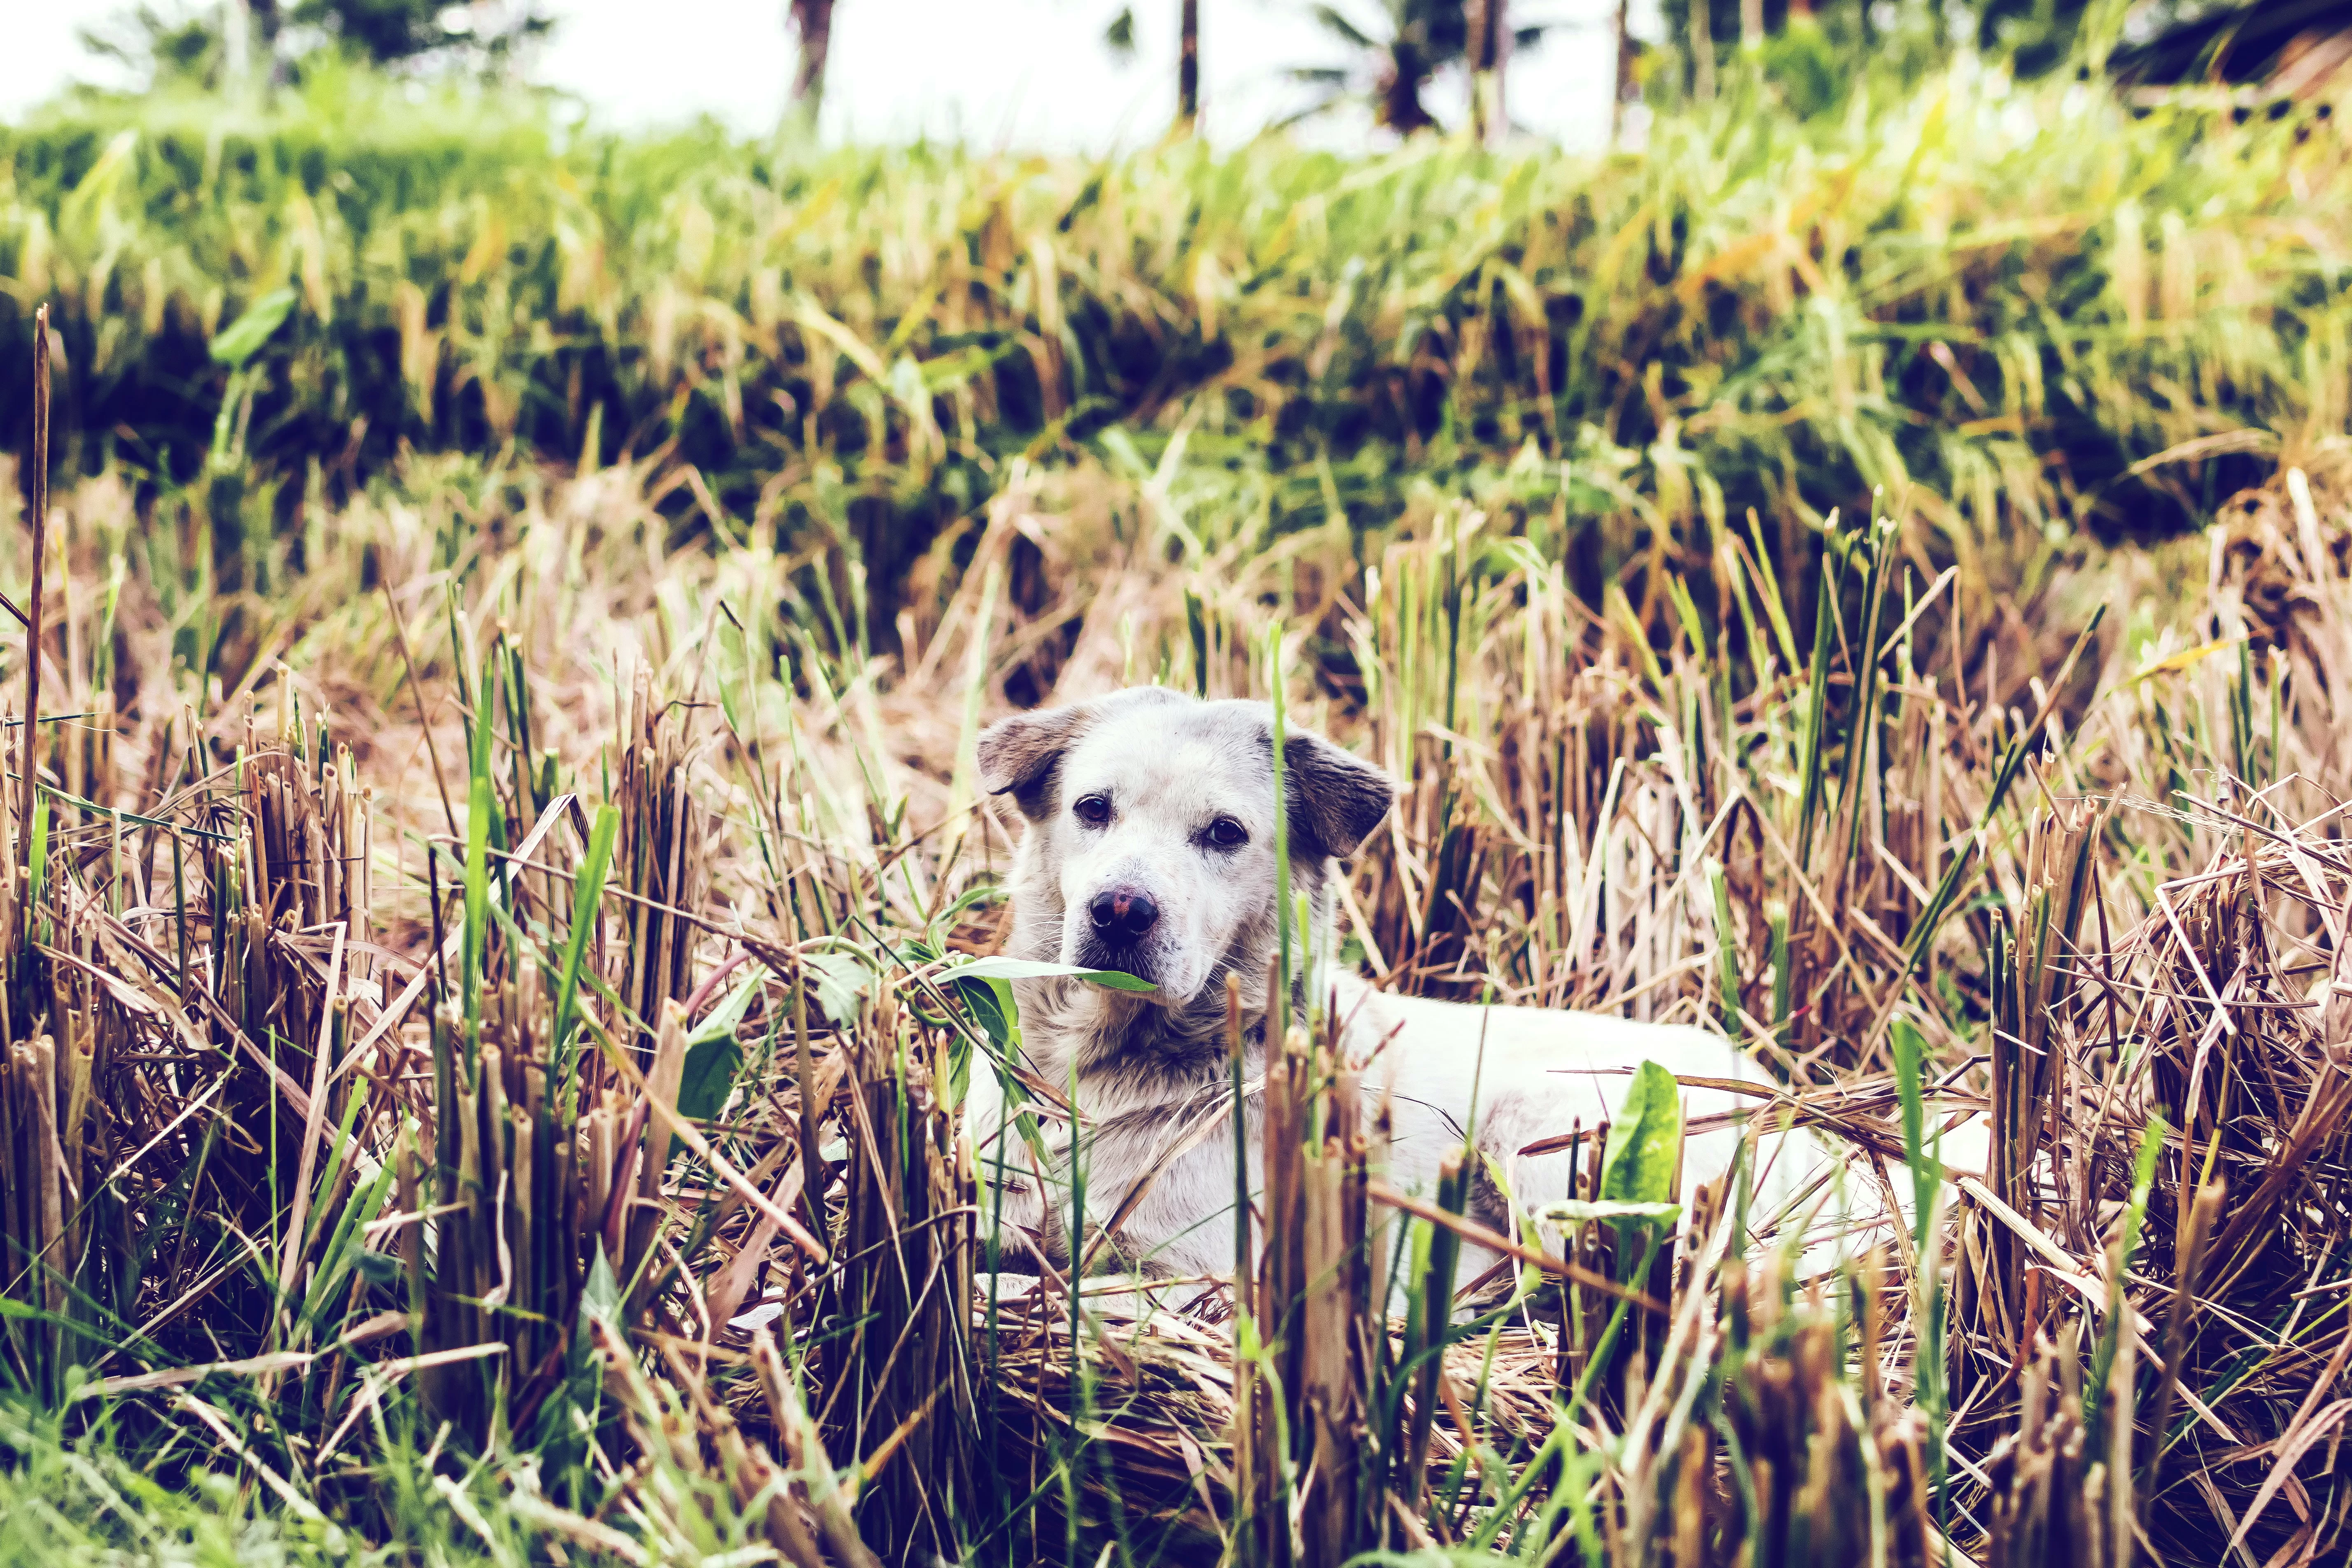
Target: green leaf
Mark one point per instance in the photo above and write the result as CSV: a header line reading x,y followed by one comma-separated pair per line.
x,y
1639,1163
2119,1261
599,1295
708,1074
587,893
1926,1169
841,980
993,1008
1002,968
378,1268
241,339
712,1056
718,1024
1645,1140
38,864
478,906
325,1294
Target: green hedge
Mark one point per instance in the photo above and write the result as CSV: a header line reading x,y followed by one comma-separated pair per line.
x,y
1992,302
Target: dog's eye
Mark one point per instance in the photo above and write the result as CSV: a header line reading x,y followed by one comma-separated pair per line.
x,y
1094,810
1226,833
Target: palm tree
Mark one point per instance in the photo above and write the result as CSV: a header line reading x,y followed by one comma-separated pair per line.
x,y
272,40
1410,42
1420,37
812,22
1626,48
1188,65
1490,47
1120,38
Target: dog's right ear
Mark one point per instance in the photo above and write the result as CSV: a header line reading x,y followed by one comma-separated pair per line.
x,y
1021,754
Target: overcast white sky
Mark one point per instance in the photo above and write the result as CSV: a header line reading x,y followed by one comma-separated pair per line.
x,y
1023,73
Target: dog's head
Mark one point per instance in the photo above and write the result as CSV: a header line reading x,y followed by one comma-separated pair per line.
x,y
1152,825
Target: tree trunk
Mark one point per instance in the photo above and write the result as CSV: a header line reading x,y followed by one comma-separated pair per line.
x,y
1400,108
1490,48
1624,76
811,21
237,44
1188,69
1752,23
1701,50
268,21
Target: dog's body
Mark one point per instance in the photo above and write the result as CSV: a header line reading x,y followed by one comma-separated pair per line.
x,y
1149,850
1507,1077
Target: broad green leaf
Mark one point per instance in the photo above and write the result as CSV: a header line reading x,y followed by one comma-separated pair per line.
x,y
1645,1140
241,339
720,1023
379,1268
841,980
712,1056
1643,1152
599,1295
705,1078
993,1008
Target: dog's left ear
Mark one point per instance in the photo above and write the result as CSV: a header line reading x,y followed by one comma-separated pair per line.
x,y
1337,797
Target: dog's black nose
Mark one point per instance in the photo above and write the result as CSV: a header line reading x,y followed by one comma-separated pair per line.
x,y
1123,913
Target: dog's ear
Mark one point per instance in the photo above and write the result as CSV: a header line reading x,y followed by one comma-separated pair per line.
x,y
1021,754
1338,799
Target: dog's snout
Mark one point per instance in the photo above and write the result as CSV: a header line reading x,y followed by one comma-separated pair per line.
x,y
1123,914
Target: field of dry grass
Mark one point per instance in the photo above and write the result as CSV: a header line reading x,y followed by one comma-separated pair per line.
x,y
494,877
348,1004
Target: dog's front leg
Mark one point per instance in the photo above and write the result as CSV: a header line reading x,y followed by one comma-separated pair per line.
x,y
1023,1186
1164,1191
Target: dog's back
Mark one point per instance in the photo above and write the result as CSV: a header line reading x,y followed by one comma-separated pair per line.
x,y
1537,1074
1529,1076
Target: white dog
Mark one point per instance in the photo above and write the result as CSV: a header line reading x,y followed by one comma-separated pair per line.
x,y
1149,849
